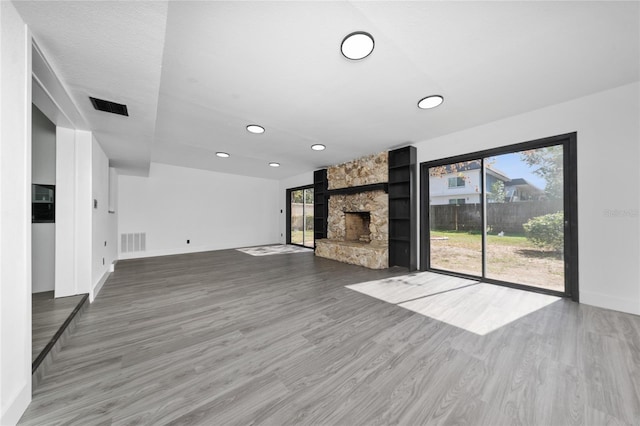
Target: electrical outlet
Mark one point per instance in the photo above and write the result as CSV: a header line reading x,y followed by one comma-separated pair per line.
x,y
105,243
103,261
188,241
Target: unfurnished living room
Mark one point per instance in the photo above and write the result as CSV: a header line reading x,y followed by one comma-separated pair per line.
x,y
319,212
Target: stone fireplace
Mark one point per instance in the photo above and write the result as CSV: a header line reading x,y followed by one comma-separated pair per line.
x,y
357,224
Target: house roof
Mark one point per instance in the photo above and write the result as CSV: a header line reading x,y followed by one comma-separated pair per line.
x,y
520,182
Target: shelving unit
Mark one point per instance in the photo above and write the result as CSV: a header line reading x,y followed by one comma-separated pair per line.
x,y
320,204
402,208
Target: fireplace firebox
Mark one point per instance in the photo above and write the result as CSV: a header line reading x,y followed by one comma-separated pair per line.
x,y
357,226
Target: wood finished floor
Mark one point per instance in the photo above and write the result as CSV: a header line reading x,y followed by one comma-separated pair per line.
x,y
47,315
226,338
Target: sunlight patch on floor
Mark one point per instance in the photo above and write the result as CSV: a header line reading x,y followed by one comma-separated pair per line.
x,y
473,306
408,287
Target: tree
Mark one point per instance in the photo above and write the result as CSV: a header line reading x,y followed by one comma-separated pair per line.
x,y
497,194
296,196
548,163
308,196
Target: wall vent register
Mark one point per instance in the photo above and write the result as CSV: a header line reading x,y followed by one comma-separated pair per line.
x,y
133,242
109,106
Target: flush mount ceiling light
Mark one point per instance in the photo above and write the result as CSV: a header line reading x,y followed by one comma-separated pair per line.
x,y
254,128
430,102
318,147
357,45
222,155
273,164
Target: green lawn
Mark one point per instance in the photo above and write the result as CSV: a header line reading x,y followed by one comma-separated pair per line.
x,y
510,258
464,237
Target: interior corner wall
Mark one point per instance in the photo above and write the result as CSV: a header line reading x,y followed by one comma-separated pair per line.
x,y
15,215
212,210
292,182
608,131
43,136
103,223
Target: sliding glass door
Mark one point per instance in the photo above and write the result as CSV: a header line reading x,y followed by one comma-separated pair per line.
x,y
505,215
525,217
300,219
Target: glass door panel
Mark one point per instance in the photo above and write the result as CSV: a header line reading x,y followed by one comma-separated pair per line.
x,y
301,230
297,217
455,217
525,217
308,240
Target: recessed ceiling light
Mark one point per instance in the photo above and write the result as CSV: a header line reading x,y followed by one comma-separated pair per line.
x,y
357,45
222,155
318,147
430,102
254,128
274,164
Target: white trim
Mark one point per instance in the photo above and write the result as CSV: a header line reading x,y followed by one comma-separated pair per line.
x,y
98,286
18,406
46,77
609,302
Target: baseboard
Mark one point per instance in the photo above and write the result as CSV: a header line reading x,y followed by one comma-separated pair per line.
x,y
98,286
608,302
17,407
173,252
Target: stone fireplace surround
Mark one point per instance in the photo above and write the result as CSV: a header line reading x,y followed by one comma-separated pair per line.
x,y
340,245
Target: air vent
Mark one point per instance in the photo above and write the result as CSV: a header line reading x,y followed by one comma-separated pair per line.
x,y
133,242
108,106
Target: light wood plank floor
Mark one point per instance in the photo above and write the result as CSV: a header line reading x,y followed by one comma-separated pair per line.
x,y
47,315
226,338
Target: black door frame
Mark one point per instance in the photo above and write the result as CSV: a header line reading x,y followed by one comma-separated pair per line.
x,y
569,143
288,207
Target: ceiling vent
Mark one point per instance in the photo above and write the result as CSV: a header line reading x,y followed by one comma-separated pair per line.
x,y
108,106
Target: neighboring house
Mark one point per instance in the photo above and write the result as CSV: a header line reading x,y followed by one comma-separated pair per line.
x,y
520,190
461,185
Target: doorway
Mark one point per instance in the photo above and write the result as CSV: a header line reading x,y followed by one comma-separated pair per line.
x,y
506,216
300,216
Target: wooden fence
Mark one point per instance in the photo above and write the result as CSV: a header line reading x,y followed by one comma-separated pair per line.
x,y
505,217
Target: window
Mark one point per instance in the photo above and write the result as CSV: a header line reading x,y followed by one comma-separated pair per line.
x,y
456,182
457,201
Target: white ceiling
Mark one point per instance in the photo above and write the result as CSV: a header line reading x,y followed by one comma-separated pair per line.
x,y
194,74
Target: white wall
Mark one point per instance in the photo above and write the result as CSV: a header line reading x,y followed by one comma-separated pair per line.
x,y
43,160
15,215
212,210
608,180
292,182
104,224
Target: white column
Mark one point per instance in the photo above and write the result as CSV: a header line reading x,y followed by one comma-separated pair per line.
x,y
15,215
73,212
